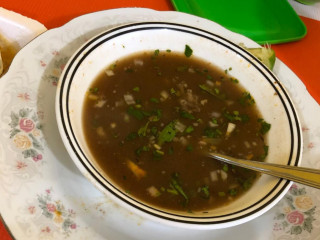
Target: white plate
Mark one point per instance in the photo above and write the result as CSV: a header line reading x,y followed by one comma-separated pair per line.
x,y
44,196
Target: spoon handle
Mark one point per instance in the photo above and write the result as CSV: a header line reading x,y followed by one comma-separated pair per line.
x,y
306,176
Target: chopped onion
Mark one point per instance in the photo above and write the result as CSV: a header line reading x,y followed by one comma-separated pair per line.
x,y
204,101
126,117
138,62
164,95
247,144
156,146
202,143
234,185
180,126
153,191
223,175
214,176
119,103
211,124
101,132
229,102
128,98
183,140
100,103
93,97
209,83
215,114
109,72
191,70
230,128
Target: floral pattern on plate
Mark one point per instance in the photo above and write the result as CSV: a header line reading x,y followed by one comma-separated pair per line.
x,y
26,133
56,69
52,216
298,214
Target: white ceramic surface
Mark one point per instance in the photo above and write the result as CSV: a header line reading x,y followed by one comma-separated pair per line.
x,y
44,196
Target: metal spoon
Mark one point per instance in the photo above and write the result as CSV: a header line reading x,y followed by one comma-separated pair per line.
x,y
306,176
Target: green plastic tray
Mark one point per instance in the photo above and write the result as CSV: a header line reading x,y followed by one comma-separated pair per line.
x,y
264,21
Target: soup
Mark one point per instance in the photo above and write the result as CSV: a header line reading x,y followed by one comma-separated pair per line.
x,y
149,119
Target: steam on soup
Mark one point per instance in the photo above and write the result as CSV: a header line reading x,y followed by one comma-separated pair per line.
x,y
150,117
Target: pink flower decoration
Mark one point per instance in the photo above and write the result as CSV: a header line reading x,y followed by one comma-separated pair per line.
x,y
21,165
55,53
46,229
37,158
62,67
310,145
294,186
51,207
42,63
32,209
24,96
48,191
295,218
26,124
73,226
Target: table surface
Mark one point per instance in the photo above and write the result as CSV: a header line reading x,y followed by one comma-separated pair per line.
x,y
302,57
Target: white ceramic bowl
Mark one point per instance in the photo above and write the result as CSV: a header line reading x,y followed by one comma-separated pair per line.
x,y
284,139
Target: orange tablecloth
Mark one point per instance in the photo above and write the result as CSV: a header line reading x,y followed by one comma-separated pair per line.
x,y
303,56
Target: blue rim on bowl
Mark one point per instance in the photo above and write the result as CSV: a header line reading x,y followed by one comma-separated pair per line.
x,y
271,97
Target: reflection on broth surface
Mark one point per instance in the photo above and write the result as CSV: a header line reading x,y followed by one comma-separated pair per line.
x,y
150,117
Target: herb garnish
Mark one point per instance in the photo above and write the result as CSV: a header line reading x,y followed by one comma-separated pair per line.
x,y
167,134
212,132
156,52
131,136
236,116
265,127
233,192
189,129
266,151
246,99
175,184
136,89
154,100
189,148
185,114
94,90
204,191
214,92
142,132
188,51
137,113
142,149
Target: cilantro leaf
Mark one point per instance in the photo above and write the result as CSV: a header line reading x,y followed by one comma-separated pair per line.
x,y
188,51
142,132
167,134
177,186
204,191
214,92
265,127
185,114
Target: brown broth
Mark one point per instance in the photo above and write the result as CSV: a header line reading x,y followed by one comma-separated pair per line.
x,y
149,119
